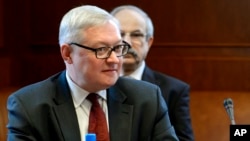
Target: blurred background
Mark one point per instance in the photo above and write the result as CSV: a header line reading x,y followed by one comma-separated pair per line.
x,y
205,43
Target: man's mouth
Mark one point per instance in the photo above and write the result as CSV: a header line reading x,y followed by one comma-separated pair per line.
x,y
128,56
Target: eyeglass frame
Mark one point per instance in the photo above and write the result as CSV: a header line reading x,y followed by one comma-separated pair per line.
x,y
96,49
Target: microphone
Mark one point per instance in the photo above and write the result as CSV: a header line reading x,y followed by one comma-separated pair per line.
x,y
228,104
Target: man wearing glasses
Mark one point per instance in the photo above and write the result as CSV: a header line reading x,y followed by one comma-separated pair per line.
x,y
137,30
89,96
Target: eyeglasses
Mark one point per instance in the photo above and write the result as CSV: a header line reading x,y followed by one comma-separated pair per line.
x,y
105,52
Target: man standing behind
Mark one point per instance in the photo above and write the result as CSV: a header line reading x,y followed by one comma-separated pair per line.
x,y
137,30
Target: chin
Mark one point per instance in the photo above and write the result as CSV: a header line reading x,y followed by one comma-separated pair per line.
x,y
110,82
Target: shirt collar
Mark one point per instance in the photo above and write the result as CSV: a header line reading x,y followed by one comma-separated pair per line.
x,y
79,94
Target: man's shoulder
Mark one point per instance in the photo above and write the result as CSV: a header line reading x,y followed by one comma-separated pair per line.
x,y
163,78
169,78
134,87
133,83
38,87
135,91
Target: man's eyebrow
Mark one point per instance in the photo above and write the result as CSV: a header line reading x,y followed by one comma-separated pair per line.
x,y
104,44
137,30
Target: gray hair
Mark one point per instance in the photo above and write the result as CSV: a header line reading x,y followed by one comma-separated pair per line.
x,y
149,23
81,18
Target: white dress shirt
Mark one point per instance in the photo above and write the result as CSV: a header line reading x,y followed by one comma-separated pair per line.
x,y
137,74
83,106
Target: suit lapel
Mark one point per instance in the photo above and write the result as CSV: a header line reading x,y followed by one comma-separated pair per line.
x,y
65,111
120,115
148,75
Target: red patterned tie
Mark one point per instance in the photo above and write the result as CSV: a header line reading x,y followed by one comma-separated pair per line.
x,y
97,119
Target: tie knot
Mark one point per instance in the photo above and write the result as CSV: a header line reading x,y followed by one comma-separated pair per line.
x,y
93,98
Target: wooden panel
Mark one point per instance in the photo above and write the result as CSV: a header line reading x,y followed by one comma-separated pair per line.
x,y
1,24
16,26
205,68
209,21
5,72
37,66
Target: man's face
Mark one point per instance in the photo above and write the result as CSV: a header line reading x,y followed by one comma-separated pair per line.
x,y
85,69
133,31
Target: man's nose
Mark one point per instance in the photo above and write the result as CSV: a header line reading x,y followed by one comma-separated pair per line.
x,y
113,57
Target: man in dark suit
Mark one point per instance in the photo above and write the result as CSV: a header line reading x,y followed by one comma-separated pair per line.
x,y
137,29
58,108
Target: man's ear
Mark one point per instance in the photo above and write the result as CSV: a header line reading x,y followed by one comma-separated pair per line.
x,y
150,41
66,51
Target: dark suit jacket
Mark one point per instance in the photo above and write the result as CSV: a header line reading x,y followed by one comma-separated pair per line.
x,y
45,112
176,94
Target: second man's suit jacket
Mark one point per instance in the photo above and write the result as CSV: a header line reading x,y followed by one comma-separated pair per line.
x,y
45,112
176,94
